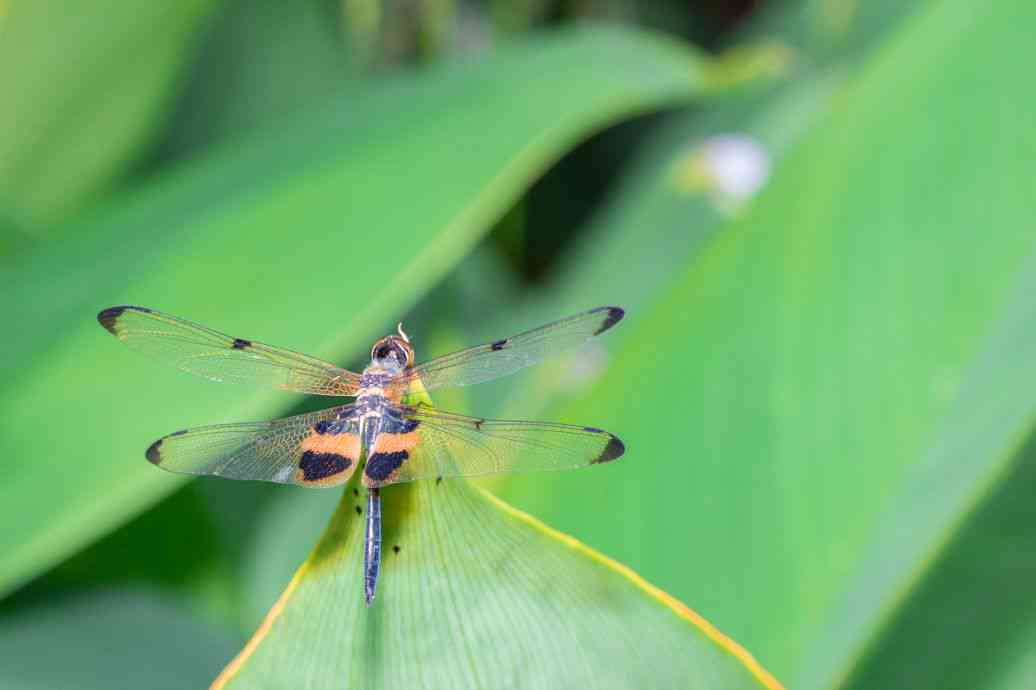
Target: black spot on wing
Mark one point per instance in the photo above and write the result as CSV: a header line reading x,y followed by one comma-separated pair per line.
x,y
381,465
395,549
153,454
154,451
241,343
317,466
359,510
107,317
498,345
615,315
110,316
613,450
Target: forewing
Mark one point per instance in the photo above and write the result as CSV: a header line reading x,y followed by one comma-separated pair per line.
x,y
440,444
315,449
502,357
205,352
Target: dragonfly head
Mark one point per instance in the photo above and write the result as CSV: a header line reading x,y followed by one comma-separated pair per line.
x,y
393,352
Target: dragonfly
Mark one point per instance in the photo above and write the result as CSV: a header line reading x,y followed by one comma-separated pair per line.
x,y
383,431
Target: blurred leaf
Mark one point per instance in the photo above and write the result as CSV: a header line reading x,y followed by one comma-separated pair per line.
x,y
83,90
644,237
251,241
282,537
262,61
471,591
176,546
843,378
108,641
825,32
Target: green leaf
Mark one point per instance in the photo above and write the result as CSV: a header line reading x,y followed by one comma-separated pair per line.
x,y
262,60
83,91
314,237
833,401
476,594
108,641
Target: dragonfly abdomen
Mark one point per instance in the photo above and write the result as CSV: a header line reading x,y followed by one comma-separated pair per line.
x,y
372,546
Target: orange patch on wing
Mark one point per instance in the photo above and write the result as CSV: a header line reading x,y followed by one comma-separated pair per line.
x,y
326,452
393,443
387,444
342,444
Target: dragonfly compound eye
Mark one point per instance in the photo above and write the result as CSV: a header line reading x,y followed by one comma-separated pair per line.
x,y
391,347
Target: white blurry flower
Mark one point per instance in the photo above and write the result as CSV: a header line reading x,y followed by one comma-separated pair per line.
x,y
729,167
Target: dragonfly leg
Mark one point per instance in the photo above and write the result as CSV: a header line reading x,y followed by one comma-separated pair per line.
x,y
372,545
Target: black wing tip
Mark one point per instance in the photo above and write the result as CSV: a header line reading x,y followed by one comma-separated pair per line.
x,y
108,317
615,315
612,451
152,453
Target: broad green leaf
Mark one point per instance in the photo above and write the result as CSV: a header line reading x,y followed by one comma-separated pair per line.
x,y
831,400
261,61
108,640
476,594
281,538
647,234
314,237
83,90
178,547
825,31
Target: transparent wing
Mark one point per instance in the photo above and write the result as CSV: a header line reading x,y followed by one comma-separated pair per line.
x,y
205,352
444,444
315,449
492,360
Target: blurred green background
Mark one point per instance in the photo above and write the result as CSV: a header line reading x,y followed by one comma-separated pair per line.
x,y
817,213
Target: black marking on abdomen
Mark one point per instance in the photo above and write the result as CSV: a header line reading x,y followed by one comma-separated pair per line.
x,y
498,345
615,315
614,449
241,343
394,425
317,466
381,465
343,423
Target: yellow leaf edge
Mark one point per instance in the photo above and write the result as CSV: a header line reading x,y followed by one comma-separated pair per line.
x,y
676,606
669,601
